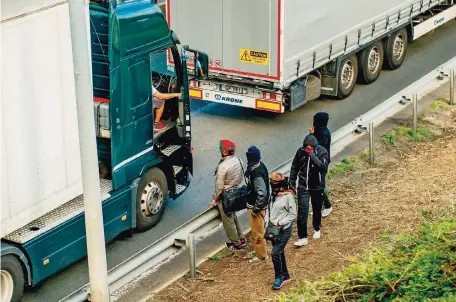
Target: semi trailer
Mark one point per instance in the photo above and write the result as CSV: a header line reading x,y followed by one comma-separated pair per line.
x,y
42,205
277,55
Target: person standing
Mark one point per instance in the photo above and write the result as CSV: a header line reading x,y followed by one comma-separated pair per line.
x,y
229,175
281,213
257,201
323,135
309,165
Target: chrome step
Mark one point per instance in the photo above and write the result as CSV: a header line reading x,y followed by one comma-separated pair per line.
x,y
170,150
177,169
180,189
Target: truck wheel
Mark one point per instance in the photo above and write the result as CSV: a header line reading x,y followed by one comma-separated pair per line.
x,y
395,49
348,72
12,279
151,199
371,61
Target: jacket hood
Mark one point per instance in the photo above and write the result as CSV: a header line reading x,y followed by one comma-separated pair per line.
x,y
310,140
321,120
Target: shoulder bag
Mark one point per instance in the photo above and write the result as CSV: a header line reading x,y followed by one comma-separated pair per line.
x,y
235,199
272,232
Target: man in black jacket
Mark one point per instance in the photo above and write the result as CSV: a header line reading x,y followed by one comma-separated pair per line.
x,y
257,200
309,167
321,132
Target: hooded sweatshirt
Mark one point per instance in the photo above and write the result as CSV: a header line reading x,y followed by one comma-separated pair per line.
x,y
322,132
310,169
258,184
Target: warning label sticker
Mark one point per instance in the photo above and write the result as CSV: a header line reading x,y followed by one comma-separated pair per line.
x,y
253,56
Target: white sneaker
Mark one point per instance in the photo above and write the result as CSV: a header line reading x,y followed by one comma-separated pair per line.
x,y
316,234
326,212
301,242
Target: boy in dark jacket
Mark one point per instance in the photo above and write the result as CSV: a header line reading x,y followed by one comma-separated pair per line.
x,y
309,166
321,132
257,201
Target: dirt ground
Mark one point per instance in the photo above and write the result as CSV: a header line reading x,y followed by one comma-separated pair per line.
x,y
410,177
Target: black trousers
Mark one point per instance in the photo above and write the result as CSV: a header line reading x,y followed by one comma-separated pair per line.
x,y
326,202
278,254
316,197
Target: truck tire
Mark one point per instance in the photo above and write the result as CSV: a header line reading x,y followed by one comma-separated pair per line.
x,y
12,279
348,73
370,62
395,49
151,199
313,88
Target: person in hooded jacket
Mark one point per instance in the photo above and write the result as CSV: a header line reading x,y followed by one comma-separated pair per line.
x,y
321,132
309,167
257,201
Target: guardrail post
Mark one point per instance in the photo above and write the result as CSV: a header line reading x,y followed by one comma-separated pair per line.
x,y
192,254
371,144
452,87
415,111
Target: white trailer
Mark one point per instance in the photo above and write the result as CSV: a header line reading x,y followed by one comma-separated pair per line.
x,y
276,55
41,165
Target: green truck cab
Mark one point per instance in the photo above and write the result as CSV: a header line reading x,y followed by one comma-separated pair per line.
x,y
132,49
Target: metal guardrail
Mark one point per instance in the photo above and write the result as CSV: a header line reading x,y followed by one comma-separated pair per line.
x,y
172,243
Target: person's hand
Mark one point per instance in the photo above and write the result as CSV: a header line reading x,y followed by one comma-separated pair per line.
x,y
312,130
308,150
278,223
213,203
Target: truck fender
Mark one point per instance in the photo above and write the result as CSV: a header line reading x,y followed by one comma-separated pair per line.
x,y
134,192
8,249
166,167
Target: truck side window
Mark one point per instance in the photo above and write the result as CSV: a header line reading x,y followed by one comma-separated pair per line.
x,y
163,75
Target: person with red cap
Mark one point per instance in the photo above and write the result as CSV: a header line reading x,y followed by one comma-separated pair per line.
x,y
229,175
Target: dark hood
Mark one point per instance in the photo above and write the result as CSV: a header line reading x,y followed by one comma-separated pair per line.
x,y
321,120
310,140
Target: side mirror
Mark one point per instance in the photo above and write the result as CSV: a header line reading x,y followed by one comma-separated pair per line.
x,y
199,62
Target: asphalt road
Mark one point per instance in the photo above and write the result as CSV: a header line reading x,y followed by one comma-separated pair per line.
x,y
278,137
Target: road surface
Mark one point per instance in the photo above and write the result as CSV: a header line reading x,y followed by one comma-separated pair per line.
x,y
278,137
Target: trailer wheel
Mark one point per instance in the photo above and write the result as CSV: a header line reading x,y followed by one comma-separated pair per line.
x,y
12,279
395,49
371,61
348,72
151,199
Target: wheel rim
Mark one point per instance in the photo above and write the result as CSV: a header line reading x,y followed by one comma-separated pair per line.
x,y
7,286
374,60
151,199
347,74
398,47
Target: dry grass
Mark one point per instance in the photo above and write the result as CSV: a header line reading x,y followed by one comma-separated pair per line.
x,y
409,178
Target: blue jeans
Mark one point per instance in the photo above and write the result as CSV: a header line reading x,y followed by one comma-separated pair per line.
x,y
316,197
278,255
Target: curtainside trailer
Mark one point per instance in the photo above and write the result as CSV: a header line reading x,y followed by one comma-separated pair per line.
x,y
277,55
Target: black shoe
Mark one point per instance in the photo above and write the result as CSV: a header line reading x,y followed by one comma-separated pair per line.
x,y
234,247
243,242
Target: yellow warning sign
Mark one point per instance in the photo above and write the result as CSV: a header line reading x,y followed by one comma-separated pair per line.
x,y
253,56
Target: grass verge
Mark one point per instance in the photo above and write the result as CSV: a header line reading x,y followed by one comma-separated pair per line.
x,y
411,267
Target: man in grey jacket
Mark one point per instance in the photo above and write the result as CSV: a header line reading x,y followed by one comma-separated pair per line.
x,y
229,175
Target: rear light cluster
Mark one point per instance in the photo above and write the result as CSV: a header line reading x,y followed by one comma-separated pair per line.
x,y
269,96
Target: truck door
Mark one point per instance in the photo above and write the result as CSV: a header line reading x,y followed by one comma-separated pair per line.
x,y
133,36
